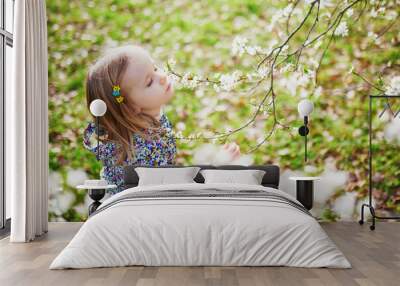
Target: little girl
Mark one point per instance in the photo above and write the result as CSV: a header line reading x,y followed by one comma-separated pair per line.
x,y
134,130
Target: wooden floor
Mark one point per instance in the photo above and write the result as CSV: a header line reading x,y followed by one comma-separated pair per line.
x,y
375,257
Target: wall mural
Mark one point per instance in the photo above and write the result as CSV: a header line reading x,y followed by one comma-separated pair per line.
x,y
227,77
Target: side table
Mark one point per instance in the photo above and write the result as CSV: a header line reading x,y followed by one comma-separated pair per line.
x,y
96,193
305,190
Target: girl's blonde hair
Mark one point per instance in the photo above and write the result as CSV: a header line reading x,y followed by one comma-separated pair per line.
x,y
120,121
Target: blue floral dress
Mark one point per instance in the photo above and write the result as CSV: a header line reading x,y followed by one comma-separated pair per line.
x,y
150,153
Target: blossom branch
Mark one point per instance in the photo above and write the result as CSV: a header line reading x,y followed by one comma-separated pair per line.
x,y
268,64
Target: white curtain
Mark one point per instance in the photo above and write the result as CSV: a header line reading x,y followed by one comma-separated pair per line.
x,y
27,123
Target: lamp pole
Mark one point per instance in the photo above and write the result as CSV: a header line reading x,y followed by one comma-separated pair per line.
x,y
305,138
305,107
98,135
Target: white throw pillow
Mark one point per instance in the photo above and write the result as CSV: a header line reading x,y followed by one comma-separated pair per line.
x,y
250,177
162,176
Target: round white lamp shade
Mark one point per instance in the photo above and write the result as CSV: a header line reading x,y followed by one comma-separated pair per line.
x,y
305,107
98,107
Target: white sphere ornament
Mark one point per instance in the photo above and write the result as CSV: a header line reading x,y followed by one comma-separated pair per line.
x,y
98,107
305,107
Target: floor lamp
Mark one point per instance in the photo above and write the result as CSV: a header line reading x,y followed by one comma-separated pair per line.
x,y
98,108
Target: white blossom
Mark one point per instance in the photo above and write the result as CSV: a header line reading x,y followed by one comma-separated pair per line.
x,y
61,202
286,67
262,71
54,182
251,50
392,131
286,11
238,45
179,134
394,86
184,80
284,48
250,76
295,80
322,4
350,12
259,49
318,91
304,93
303,78
350,94
181,125
189,83
326,3
278,16
216,87
342,30
239,22
76,177
229,81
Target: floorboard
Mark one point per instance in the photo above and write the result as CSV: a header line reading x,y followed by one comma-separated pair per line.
x,y
374,255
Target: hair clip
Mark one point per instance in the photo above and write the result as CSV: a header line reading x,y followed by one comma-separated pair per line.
x,y
117,94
